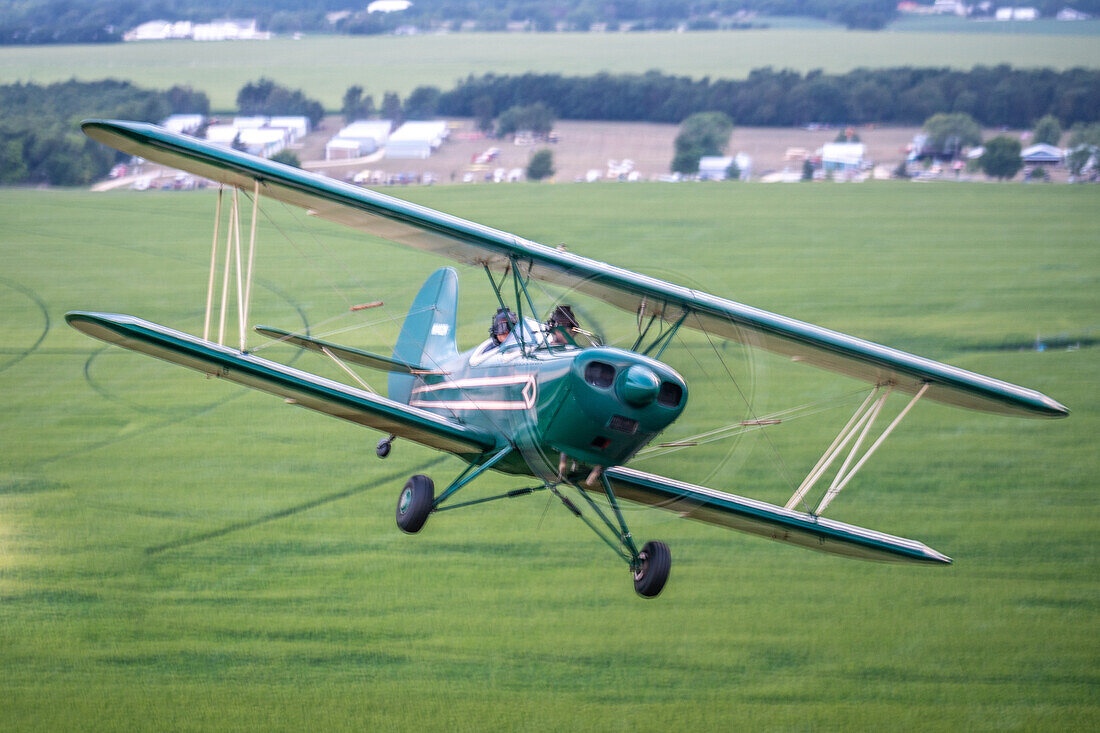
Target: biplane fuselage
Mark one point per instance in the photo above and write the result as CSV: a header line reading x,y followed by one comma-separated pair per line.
x,y
596,406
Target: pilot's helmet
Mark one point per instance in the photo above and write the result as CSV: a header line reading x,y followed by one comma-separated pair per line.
x,y
563,317
502,323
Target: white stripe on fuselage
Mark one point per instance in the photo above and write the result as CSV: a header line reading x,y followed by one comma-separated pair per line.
x,y
529,393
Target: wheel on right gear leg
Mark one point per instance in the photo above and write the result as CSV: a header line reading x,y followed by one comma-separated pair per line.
x,y
415,503
654,564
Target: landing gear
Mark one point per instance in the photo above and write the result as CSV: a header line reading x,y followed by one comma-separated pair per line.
x,y
415,503
383,448
651,568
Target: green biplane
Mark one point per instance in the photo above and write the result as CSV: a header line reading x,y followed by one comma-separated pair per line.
x,y
540,399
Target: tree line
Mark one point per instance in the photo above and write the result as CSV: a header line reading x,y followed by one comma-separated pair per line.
x,y
40,138
994,96
95,21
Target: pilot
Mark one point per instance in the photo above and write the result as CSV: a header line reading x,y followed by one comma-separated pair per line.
x,y
561,323
502,324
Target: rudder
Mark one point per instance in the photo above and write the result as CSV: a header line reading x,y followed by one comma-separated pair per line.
x,y
428,334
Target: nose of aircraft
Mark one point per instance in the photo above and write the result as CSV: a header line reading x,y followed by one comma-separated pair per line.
x,y
639,386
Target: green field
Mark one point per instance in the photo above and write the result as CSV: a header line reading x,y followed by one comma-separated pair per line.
x,y
326,66
179,553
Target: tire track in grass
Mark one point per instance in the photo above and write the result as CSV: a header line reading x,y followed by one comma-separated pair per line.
x,y
174,416
38,301
291,510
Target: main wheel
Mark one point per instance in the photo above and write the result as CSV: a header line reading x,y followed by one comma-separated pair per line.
x,y
654,563
415,503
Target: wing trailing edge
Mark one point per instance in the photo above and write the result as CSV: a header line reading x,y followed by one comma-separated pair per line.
x,y
298,387
768,520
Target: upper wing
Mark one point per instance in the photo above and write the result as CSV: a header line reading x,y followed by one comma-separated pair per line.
x,y
472,243
298,387
767,520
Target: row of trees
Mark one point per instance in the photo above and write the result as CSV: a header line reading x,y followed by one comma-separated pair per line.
x,y
994,96
40,139
95,21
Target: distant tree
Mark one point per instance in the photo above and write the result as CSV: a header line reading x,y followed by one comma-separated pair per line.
x,y
949,133
483,113
537,118
265,97
356,106
1047,130
287,157
847,135
541,165
422,103
12,167
1001,158
185,100
703,133
733,172
391,108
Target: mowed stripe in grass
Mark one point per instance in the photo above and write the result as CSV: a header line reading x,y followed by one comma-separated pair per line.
x,y
325,66
177,552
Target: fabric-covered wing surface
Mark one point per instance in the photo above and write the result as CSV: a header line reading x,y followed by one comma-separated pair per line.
x,y
768,520
302,388
475,244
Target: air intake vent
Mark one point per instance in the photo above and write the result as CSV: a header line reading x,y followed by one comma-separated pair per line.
x,y
599,374
623,424
670,394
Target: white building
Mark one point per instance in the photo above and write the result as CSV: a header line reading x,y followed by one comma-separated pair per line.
x,y
222,134
388,6
186,124
842,156
229,30
251,123
264,141
159,30
369,136
298,126
416,139
339,148
220,30
1021,13
714,167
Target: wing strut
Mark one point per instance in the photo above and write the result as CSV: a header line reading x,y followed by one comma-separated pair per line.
x,y
232,265
861,422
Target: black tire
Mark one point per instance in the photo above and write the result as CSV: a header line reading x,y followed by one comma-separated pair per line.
x,y
414,504
654,564
383,448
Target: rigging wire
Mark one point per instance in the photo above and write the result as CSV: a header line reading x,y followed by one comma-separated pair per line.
x,y
780,463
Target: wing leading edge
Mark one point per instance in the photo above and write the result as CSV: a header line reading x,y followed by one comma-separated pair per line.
x,y
471,243
298,387
768,520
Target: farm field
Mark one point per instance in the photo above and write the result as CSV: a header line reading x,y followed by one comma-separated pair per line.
x,y
179,553
325,66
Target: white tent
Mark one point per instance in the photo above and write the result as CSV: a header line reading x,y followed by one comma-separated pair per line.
x,y
416,139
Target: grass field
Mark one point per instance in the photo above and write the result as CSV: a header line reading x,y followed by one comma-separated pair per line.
x,y
178,553
326,66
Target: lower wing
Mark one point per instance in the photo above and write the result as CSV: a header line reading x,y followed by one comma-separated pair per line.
x,y
767,520
296,386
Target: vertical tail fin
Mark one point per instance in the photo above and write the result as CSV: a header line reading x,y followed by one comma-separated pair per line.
x,y
428,334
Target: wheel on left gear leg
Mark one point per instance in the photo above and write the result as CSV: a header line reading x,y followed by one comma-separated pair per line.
x,y
654,564
415,503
